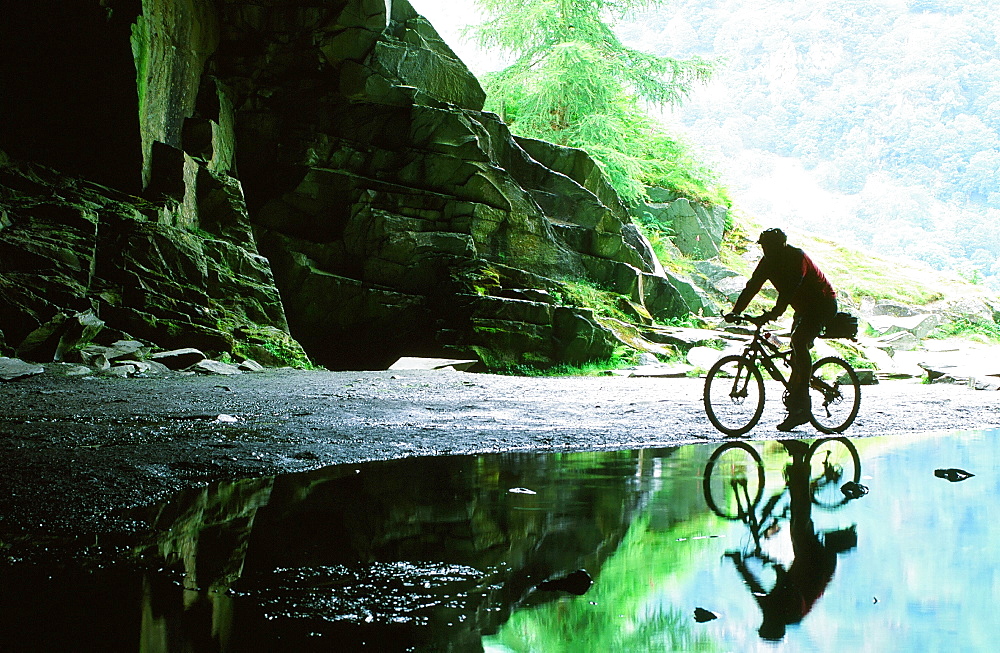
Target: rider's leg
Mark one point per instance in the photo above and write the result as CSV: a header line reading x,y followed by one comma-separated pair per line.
x,y
797,401
806,326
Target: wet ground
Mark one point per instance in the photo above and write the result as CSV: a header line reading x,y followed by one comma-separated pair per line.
x,y
813,544
72,451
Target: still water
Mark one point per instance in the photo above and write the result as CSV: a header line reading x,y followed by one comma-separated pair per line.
x,y
819,546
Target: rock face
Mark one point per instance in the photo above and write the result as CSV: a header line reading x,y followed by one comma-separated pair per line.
x,y
697,230
317,168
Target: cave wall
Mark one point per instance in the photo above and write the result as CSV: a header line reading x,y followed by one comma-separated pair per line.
x,y
318,167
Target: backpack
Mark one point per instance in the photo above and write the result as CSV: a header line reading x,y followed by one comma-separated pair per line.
x,y
841,325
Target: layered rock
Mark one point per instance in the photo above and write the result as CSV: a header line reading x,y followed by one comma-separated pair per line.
x,y
318,168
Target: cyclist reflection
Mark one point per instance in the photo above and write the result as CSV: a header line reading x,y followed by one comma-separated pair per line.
x,y
797,588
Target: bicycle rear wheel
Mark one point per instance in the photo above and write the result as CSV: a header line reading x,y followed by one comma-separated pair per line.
x,y
832,462
835,394
734,480
734,395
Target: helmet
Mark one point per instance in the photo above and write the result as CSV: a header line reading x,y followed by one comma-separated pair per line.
x,y
772,238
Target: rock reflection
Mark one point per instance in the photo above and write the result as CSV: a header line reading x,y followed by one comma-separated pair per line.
x,y
400,553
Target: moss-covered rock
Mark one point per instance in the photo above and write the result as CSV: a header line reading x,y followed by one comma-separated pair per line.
x,y
318,173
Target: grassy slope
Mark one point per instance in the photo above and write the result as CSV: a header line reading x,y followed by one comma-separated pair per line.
x,y
856,274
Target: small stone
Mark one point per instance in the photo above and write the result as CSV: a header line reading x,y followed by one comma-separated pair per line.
x,y
575,582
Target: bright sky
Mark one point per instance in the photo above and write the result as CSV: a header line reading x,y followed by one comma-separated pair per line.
x,y
448,17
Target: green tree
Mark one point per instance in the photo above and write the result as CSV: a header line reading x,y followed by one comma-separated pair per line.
x,y
573,82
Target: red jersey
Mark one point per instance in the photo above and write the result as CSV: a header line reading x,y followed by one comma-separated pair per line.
x,y
800,284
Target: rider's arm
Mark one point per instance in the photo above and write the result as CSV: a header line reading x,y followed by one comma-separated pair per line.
x,y
754,284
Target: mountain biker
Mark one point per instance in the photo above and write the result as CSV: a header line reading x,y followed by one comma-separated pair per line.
x,y
801,285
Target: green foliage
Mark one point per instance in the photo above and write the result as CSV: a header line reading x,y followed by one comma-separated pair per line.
x,y
584,294
963,327
692,321
574,83
890,107
672,164
622,358
660,239
479,278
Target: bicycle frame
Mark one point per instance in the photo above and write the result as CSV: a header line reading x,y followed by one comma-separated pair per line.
x,y
763,353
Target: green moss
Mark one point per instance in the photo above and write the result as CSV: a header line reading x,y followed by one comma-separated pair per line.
x,y
584,294
140,54
480,278
252,339
623,357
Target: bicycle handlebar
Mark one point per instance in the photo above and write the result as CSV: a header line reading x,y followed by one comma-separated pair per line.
x,y
757,320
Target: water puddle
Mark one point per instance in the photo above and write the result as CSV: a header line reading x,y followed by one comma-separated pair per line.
x,y
870,544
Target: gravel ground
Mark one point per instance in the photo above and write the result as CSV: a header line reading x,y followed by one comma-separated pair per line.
x,y
73,450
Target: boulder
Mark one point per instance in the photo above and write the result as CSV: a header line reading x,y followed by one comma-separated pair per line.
x,y
898,341
179,359
893,309
250,365
919,325
697,230
12,369
415,363
208,366
717,278
67,369
991,383
866,377
62,334
696,300
149,368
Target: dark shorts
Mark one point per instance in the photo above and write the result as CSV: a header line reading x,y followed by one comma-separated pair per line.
x,y
808,322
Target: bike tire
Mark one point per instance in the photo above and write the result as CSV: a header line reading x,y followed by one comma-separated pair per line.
x,y
733,461
734,395
835,395
841,455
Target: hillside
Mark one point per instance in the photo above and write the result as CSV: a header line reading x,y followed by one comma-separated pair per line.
x,y
871,123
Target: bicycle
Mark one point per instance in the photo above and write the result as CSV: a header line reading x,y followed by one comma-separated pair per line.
x,y
734,387
733,483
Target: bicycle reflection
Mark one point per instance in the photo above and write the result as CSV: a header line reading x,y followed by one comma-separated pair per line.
x,y
826,474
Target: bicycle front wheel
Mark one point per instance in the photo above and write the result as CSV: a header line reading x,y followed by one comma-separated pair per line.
x,y
835,394
734,480
832,462
734,395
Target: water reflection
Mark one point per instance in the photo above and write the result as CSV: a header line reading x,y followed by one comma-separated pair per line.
x,y
809,476
734,547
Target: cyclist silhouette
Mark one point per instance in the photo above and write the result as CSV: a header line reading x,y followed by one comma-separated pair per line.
x,y
797,588
801,285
